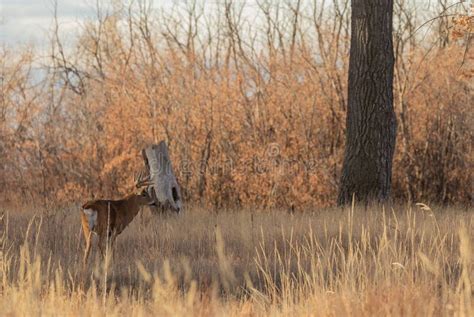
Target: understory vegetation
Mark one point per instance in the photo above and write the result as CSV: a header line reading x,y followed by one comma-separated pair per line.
x,y
250,98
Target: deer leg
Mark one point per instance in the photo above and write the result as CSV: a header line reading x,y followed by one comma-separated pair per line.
x,y
106,244
101,246
110,244
88,247
88,219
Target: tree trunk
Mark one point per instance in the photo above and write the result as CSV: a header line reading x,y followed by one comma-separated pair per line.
x,y
371,123
165,189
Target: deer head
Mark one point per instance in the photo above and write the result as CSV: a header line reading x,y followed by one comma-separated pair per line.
x,y
143,188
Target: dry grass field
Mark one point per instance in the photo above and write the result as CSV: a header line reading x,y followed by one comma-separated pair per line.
x,y
400,261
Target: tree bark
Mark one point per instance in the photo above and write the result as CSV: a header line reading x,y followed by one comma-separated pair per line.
x,y
165,189
371,123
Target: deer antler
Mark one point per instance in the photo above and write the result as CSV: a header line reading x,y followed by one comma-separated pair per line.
x,y
142,180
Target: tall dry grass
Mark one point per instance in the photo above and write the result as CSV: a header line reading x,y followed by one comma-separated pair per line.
x,y
400,261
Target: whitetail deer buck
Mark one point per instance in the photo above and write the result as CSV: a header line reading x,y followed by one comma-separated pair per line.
x,y
108,218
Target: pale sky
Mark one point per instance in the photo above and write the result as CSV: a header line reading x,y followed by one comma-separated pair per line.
x,y
28,21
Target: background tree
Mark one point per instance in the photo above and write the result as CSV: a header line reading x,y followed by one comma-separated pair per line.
x,y
371,122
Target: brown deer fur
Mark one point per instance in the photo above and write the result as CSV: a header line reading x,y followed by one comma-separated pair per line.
x,y
116,215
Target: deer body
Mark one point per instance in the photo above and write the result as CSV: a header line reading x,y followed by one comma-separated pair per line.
x,y
108,218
